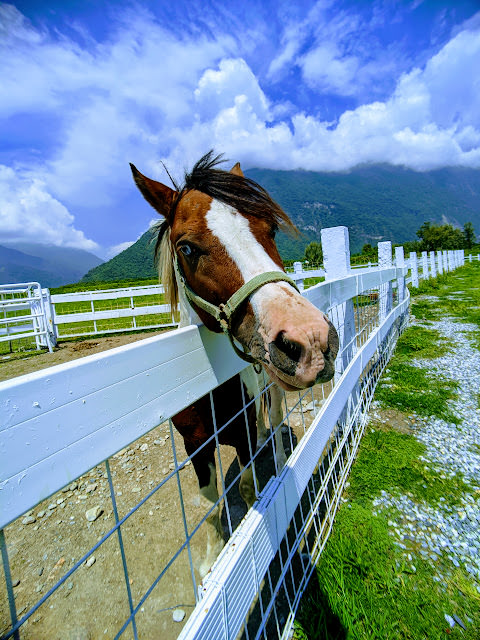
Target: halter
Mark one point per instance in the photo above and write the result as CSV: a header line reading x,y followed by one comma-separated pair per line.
x,y
226,310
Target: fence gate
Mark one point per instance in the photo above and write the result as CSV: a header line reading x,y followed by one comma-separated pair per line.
x,y
25,315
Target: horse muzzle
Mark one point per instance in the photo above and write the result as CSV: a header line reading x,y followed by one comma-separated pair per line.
x,y
300,359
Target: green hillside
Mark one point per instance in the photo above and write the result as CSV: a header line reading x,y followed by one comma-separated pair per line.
x,y
378,202
134,263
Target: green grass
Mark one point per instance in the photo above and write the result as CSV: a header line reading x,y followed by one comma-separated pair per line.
x,y
464,306
421,342
364,589
364,586
411,388
391,461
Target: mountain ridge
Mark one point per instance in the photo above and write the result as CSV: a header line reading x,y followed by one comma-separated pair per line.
x,y
50,265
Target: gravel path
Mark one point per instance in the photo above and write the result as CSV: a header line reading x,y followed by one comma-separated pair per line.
x,y
443,531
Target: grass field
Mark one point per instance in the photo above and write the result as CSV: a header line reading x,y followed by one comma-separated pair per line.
x,y
365,586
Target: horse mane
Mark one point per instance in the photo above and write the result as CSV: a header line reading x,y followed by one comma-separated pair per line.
x,y
164,261
243,194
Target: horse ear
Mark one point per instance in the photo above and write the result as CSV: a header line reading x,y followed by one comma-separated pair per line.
x,y
157,194
237,171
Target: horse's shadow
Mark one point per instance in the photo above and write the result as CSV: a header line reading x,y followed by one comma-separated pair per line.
x,y
314,608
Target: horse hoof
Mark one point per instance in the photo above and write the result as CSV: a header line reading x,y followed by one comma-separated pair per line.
x,y
203,569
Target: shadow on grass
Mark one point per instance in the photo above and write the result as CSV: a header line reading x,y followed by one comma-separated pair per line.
x,y
315,619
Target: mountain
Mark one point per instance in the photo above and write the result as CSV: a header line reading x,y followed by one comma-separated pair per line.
x,y
136,262
51,266
376,202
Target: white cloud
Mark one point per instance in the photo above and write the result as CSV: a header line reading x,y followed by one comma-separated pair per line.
x,y
29,212
118,248
327,69
218,89
146,95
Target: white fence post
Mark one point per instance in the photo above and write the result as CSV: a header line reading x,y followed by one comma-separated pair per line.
x,y
48,307
439,262
445,261
385,262
298,268
425,265
433,270
336,261
414,268
400,263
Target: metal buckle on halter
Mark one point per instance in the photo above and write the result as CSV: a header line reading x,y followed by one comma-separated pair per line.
x,y
224,317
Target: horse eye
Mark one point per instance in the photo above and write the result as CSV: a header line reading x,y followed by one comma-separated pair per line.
x,y
186,249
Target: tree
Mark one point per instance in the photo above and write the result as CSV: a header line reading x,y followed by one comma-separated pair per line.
x,y
370,252
314,253
469,235
433,237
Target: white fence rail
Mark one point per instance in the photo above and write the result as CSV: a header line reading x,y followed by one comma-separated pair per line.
x,y
59,423
92,312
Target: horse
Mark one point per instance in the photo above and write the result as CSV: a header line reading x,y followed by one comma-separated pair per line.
x,y
217,258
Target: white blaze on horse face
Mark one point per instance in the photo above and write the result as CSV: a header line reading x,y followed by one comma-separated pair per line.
x,y
279,310
233,231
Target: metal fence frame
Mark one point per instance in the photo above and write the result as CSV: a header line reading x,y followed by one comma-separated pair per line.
x,y
34,322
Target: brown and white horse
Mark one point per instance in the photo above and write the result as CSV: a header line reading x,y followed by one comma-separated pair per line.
x,y
218,236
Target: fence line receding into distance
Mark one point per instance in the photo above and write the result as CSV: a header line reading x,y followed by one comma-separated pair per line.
x,y
98,312
99,420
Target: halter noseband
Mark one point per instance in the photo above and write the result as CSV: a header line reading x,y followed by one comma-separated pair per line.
x,y
226,310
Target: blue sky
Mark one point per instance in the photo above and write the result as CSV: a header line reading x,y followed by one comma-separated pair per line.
x,y
87,86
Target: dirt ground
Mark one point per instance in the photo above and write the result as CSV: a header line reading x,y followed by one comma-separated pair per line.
x,y
18,363
44,544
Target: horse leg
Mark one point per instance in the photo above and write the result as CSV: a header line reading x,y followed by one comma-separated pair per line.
x,y
276,420
254,385
215,542
195,426
247,485
262,433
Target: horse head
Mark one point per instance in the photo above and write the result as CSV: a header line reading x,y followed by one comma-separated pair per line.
x,y
219,236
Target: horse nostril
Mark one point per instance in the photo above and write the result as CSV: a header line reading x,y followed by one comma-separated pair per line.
x,y
284,353
289,347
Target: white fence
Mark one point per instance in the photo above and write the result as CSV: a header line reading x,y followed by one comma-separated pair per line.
x,y
92,312
105,311
60,423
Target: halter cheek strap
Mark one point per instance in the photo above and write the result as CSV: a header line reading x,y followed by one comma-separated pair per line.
x,y
224,312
